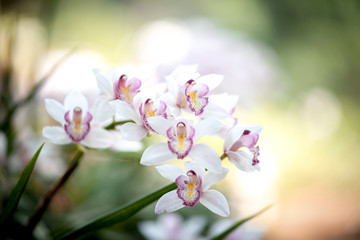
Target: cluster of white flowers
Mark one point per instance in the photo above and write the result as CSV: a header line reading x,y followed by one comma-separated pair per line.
x,y
184,111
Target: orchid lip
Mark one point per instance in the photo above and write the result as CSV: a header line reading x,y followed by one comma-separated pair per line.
x,y
189,188
180,141
79,127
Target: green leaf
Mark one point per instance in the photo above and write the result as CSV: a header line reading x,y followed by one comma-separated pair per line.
x,y
19,189
115,216
239,223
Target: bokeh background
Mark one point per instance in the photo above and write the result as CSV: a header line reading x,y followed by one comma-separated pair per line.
x,y
293,64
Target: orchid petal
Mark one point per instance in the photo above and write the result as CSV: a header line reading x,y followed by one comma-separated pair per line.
x,y
98,138
224,100
125,110
207,127
56,135
157,153
55,109
170,172
169,202
211,80
196,167
104,84
215,202
75,99
133,131
242,160
211,178
206,157
102,109
234,135
159,124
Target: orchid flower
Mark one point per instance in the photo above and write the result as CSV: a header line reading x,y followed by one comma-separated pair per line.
x,y
243,136
172,227
76,123
121,83
147,110
182,135
189,91
193,187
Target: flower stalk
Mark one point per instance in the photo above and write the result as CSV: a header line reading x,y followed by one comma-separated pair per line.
x,y
48,196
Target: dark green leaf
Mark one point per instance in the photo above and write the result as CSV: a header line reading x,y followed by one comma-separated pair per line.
x,y
19,189
115,216
239,223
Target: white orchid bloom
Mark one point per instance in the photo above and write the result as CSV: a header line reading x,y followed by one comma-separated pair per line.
x,y
172,227
182,136
193,187
189,91
243,136
76,123
121,83
140,115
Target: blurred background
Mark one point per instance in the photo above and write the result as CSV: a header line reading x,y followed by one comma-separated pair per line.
x,y
293,64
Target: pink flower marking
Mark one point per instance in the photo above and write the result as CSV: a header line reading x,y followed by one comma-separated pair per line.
x,y
149,110
195,96
125,89
189,188
180,143
79,127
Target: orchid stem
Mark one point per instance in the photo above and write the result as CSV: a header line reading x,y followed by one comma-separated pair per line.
x,y
114,124
222,157
48,196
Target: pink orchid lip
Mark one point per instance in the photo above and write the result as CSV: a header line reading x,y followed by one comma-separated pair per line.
x,y
248,139
79,127
148,110
196,98
125,88
180,142
189,188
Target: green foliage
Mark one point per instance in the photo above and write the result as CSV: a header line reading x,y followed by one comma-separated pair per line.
x,y
18,190
118,215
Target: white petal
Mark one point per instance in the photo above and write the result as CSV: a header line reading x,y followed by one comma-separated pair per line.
x,y
215,111
98,138
133,131
207,157
215,202
159,124
75,99
56,135
211,178
234,135
194,226
152,230
125,110
156,154
224,100
242,160
211,80
170,172
255,128
104,84
169,202
55,109
207,127
102,109
195,166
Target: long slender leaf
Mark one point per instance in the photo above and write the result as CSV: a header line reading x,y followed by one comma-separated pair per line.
x,y
239,223
115,216
19,189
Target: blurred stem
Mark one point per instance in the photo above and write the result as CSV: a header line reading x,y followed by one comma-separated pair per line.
x,y
222,157
116,216
46,199
114,124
